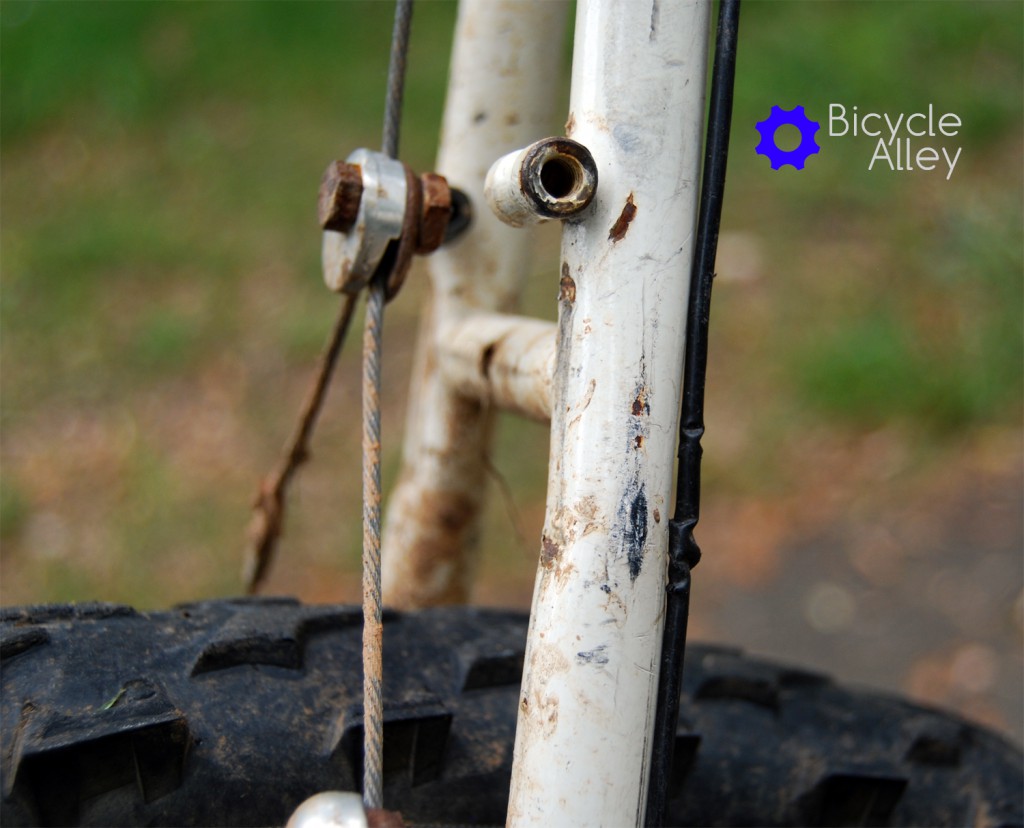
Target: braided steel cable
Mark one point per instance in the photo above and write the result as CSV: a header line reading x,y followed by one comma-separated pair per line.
x,y
396,77
373,630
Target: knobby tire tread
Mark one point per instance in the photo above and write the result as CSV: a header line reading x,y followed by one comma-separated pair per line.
x,y
232,712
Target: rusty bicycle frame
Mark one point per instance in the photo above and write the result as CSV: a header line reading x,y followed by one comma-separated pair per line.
x,y
608,375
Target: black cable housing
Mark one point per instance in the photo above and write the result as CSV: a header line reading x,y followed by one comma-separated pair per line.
x,y
684,553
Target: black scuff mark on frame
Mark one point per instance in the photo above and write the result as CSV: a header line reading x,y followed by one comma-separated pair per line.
x,y
486,358
632,518
598,655
636,533
632,522
654,21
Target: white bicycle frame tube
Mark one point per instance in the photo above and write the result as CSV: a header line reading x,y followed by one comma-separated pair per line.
x,y
501,96
612,386
587,703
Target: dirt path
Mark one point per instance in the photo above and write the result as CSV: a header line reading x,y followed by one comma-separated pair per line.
x,y
919,593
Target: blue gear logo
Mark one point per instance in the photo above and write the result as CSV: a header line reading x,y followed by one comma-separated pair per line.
x,y
788,117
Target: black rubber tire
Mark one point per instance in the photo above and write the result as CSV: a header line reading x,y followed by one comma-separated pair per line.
x,y
233,712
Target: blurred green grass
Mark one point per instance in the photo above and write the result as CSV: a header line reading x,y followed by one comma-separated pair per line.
x,y
161,305
897,296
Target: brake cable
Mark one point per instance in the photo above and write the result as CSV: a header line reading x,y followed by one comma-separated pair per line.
x,y
373,630
417,217
683,551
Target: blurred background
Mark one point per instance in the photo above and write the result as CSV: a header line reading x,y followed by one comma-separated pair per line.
x,y
162,310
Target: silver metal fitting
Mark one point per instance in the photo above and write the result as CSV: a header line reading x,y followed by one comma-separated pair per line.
x,y
330,809
351,258
369,201
555,178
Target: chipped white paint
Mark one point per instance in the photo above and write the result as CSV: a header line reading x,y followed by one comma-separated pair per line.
x,y
504,191
501,96
588,695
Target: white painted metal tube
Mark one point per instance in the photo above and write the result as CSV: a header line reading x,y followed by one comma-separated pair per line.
x,y
501,96
589,687
506,361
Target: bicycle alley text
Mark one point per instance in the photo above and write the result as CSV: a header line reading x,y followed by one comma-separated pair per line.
x,y
906,142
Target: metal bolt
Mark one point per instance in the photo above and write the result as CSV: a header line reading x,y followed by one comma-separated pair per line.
x,y
364,200
341,189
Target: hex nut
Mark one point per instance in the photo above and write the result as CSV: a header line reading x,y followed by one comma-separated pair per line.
x,y
436,213
341,189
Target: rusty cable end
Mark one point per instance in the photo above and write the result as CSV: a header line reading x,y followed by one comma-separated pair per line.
x,y
380,818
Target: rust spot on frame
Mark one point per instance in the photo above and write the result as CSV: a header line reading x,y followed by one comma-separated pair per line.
x,y
638,441
570,125
621,226
550,552
434,570
657,515
640,406
439,525
566,286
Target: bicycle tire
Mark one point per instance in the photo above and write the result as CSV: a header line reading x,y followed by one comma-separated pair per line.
x,y
232,712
